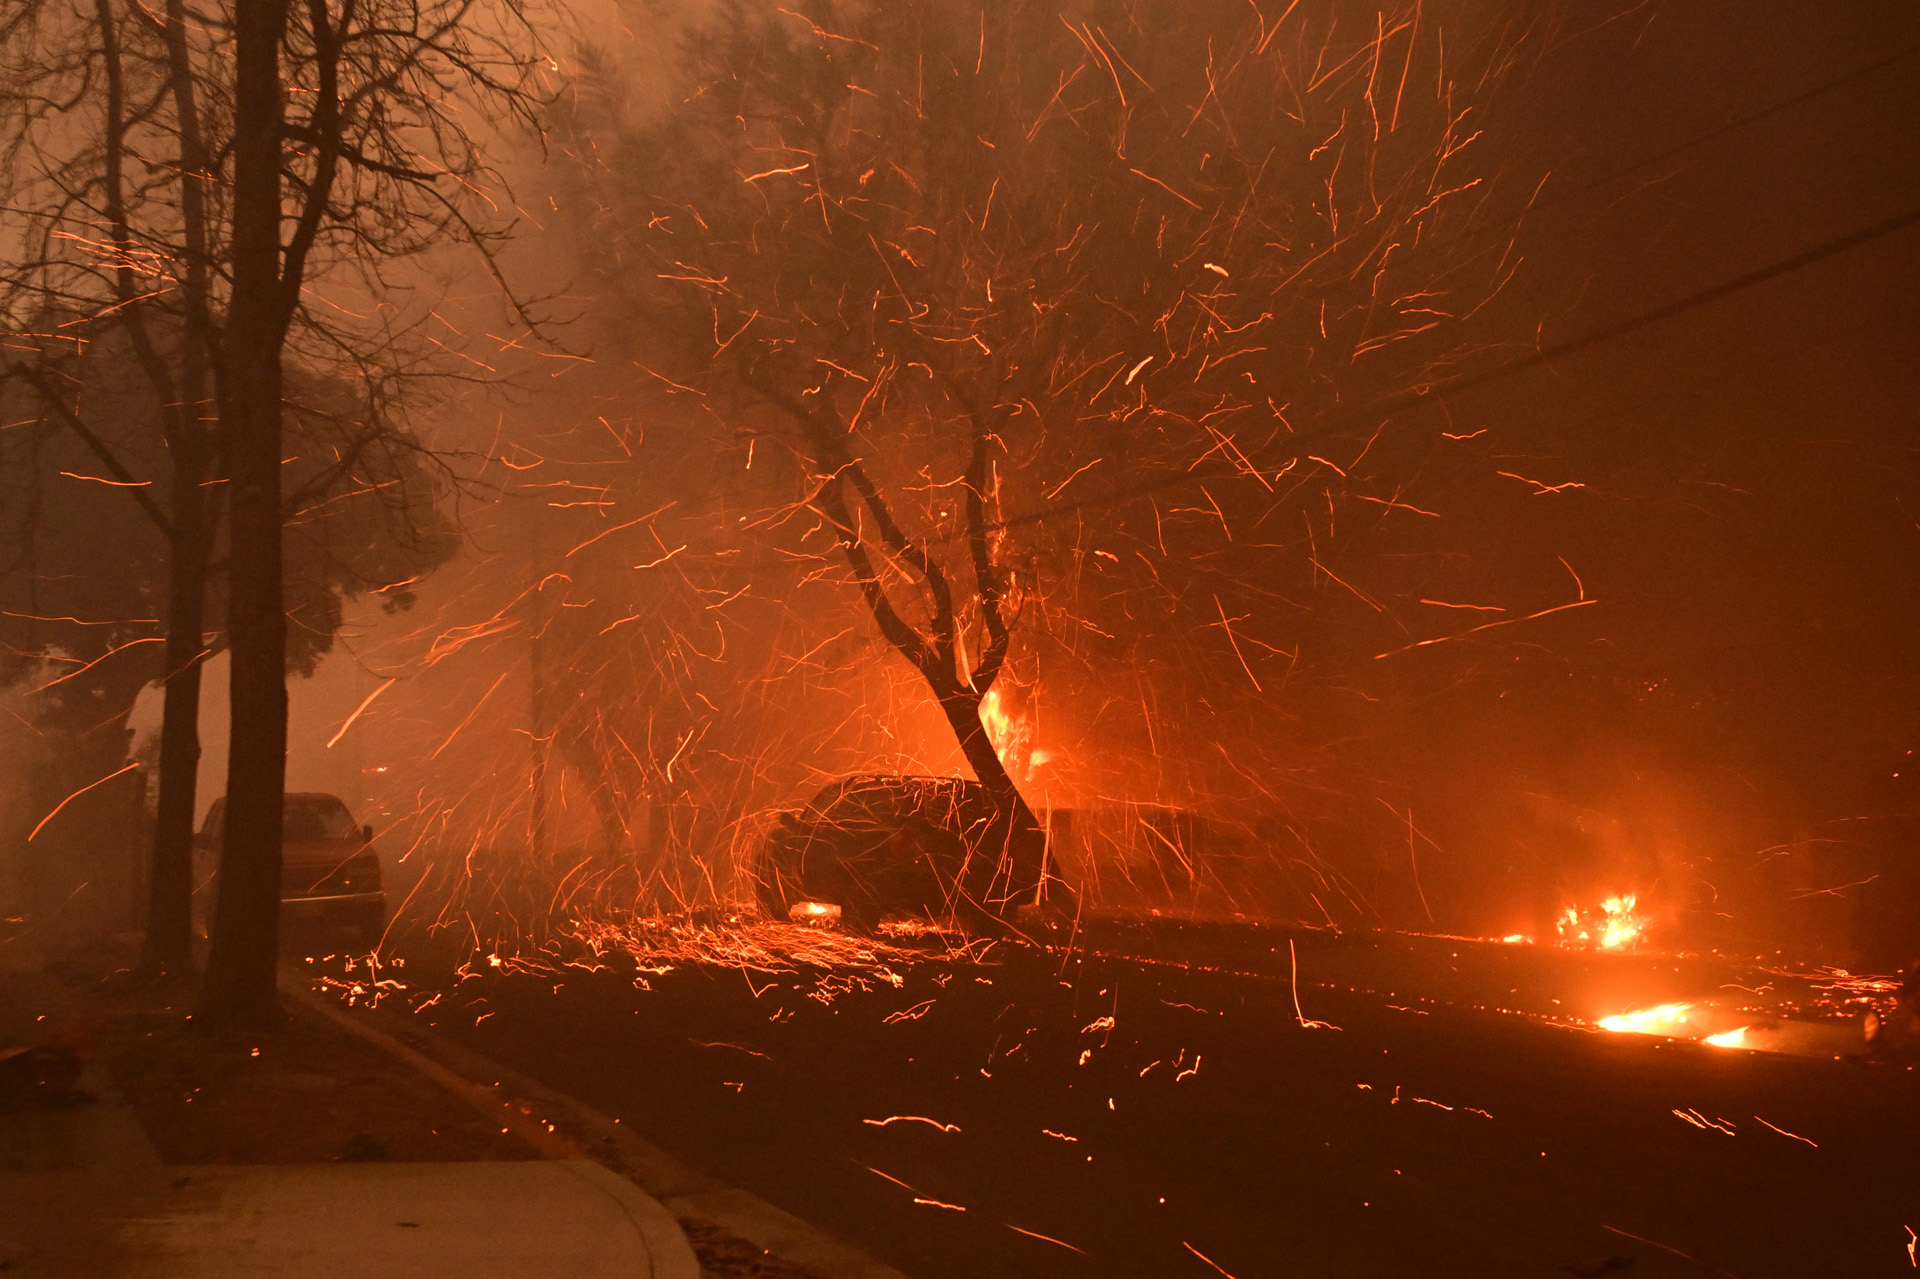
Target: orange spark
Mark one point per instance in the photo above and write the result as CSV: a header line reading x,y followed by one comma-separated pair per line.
x,y
391,681
912,1119
1034,1234
151,639
1784,1133
470,714
131,764
1204,1257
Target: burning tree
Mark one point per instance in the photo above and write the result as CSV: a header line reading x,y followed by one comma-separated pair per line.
x,y
997,279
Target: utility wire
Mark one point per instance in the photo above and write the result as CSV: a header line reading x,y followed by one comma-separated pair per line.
x,y
1567,193
1447,387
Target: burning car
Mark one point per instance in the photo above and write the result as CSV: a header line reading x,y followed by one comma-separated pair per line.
x,y
330,873
874,847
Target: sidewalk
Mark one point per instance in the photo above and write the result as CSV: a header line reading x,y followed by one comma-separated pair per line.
x,y
84,1191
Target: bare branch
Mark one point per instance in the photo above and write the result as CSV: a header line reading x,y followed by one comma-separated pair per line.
x,y
53,400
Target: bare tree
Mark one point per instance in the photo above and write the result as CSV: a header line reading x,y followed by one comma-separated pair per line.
x,y
167,181
87,552
373,164
76,82
984,269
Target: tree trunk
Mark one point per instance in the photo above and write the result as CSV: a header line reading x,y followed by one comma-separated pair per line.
x,y
240,984
169,942
1015,840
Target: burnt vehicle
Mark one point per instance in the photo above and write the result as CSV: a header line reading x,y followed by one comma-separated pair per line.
x,y
330,877
876,847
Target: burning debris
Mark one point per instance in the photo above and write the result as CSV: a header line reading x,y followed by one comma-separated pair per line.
x,y
1616,923
1667,1019
1682,1019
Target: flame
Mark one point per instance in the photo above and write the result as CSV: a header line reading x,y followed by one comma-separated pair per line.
x,y
814,913
1011,733
1667,1019
1678,1021
1622,927
1617,924
993,713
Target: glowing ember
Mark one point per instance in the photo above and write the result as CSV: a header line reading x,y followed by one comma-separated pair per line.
x,y
822,913
1667,1019
1616,925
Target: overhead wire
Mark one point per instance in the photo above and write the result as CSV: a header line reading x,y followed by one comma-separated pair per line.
x,y
1554,196
1436,392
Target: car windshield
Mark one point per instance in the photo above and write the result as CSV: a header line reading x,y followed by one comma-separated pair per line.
x,y
317,817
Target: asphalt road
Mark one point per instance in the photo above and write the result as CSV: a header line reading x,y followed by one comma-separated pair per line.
x,y
1050,1114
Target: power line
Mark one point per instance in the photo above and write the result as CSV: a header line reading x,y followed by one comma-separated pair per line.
x,y
1436,391
1567,193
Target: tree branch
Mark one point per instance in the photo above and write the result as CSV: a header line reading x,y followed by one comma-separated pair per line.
x,y
38,380
986,574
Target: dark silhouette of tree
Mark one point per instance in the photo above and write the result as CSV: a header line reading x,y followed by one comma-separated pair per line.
x,y
370,162
235,176
89,554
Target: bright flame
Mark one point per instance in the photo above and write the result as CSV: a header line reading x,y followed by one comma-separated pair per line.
x,y
1667,1019
1729,1038
1011,733
1616,925
814,913
1622,927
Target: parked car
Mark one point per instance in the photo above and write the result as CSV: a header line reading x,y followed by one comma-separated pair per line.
x,y
886,846
330,875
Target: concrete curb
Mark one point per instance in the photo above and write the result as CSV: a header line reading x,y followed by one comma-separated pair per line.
x,y
684,1191
666,1243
